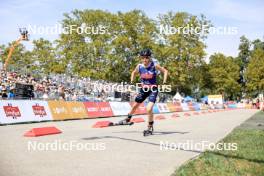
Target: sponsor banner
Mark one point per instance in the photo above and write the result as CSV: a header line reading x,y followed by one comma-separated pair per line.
x,y
211,106
232,105
218,106
40,109
241,105
105,109
177,105
155,109
203,106
141,109
248,106
77,109
185,107
92,109
172,107
191,106
120,108
215,99
60,110
15,111
196,106
163,107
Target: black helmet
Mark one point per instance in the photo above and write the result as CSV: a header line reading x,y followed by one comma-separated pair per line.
x,y
145,52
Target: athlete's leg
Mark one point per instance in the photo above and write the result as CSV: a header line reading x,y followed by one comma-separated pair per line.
x,y
134,108
149,130
152,99
142,95
150,111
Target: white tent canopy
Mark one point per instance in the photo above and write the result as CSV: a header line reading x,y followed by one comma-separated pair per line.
x,y
177,97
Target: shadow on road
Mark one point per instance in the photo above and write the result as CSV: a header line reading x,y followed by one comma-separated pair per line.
x,y
141,141
155,132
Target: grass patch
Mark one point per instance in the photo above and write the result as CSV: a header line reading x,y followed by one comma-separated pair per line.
x,y
247,160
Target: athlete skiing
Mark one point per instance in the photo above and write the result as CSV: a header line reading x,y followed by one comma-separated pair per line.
x,y
149,88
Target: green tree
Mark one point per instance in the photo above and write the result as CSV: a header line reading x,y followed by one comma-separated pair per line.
x,y
2,54
87,51
255,73
242,60
43,57
135,31
224,73
182,52
110,54
258,44
20,58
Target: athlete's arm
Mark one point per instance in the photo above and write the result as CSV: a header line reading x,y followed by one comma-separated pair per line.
x,y
134,73
164,71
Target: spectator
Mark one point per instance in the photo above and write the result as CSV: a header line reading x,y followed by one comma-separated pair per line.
x,y
11,94
4,93
45,96
257,104
58,87
61,92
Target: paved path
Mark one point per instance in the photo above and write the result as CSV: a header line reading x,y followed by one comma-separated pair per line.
x,y
111,151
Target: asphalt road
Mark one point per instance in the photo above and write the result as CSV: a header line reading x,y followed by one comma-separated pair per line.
x,y
81,150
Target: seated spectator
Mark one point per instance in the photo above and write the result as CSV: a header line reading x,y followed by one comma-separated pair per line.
x,y
11,94
45,96
4,94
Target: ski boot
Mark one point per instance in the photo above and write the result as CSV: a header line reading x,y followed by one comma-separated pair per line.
x,y
126,121
150,130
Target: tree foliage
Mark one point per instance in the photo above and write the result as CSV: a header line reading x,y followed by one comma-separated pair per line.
x,y
255,72
103,45
224,73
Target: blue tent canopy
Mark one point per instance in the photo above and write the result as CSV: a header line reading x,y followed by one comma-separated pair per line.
x,y
204,99
188,98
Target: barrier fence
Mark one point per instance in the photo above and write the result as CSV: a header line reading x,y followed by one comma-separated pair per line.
x,y
17,111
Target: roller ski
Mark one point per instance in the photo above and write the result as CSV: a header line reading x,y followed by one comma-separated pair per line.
x,y
149,131
126,121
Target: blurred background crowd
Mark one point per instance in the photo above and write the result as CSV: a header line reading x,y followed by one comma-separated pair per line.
x,y
61,86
